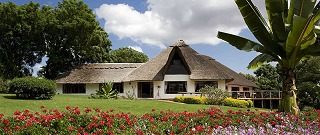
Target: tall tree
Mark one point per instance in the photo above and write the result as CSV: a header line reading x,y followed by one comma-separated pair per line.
x,y
268,77
73,37
308,82
22,43
128,55
290,36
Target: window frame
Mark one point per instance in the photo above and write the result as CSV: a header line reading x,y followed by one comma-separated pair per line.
x,y
171,89
203,84
78,88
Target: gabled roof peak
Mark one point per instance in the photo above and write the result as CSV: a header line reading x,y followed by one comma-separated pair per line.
x,y
180,43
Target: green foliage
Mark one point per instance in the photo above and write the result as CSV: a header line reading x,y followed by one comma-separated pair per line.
x,y
250,103
268,77
190,99
290,35
30,88
214,96
4,86
68,34
236,103
129,95
73,37
106,92
22,42
128,55
308,82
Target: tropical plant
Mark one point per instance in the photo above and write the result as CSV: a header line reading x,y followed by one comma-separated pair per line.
x,y
290,36
106,92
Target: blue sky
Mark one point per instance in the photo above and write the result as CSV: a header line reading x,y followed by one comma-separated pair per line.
x,y
151,25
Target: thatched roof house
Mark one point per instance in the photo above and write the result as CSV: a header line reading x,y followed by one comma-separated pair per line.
x,y
176,66
98,73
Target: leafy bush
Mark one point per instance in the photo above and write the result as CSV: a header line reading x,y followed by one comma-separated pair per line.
x,y
190,99
250,103
4,86
214,96
106,92
236,103
32,88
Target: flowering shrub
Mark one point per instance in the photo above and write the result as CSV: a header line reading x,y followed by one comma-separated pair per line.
x,y
211,121
236,103
208,101
190,99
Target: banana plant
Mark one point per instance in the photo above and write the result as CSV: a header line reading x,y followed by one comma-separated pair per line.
x,y
291,34
106,92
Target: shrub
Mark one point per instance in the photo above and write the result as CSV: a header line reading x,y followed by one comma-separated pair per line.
x,y
4,85
190,99
250,103
106,92
236,103
32,88
214,96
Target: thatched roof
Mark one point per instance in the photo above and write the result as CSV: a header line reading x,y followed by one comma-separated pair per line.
x,y
98,73
237,78
199,67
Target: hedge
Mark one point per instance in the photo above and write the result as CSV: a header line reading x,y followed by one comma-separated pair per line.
x,y
203,100
32,88
190,99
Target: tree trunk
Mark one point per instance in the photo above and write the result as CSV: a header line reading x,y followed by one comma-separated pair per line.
x,y
288,101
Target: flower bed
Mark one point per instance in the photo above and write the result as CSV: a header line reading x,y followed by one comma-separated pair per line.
x,y
211,121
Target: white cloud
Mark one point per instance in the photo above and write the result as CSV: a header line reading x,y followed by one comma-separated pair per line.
x,y
36,68
167,21
137,48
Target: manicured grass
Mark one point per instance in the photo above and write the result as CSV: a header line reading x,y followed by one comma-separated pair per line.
x,y
10,104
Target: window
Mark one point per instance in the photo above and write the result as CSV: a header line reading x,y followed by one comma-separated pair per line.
x,y
116,86
201,84
74,88
234,93
245,88
176,87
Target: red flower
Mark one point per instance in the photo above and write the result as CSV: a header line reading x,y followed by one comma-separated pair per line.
x,y
17,112
68,107
97,109
42,107
153,109
17,127
70,128
122,127
87,110
71,119
139,132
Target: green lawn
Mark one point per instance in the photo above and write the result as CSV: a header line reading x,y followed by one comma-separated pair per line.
x,y
10,104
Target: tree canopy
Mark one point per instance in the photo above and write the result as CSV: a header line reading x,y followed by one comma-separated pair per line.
x,y
128,55
68,34
268,77
308,82
22,42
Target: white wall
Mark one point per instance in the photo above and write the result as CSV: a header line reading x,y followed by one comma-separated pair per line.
x,y
91,88
130,88
59,89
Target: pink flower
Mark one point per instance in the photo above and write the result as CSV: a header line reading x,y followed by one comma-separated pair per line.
x,y
17,112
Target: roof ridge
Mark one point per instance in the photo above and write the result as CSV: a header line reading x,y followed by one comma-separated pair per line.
x,y
180,43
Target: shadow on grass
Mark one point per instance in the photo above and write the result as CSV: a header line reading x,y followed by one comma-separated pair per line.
x,y
13,97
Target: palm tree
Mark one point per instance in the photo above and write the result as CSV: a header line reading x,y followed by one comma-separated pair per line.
x,y
290,36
